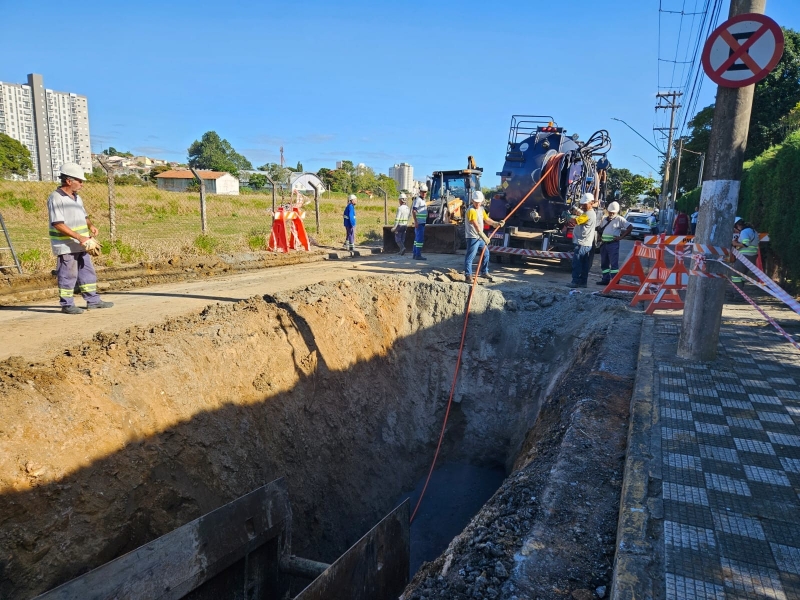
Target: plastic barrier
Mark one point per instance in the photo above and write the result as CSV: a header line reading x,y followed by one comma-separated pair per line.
x,y
296,234
632,267
667,296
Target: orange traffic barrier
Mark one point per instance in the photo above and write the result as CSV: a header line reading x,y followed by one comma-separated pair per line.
x,y
632,267
667,295
657,275
296,232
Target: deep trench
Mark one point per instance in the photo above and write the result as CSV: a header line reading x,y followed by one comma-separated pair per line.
x,y
340,388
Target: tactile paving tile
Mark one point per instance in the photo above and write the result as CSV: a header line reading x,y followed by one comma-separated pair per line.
x,y
730,444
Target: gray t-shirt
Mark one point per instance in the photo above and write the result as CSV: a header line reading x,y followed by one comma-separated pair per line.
x,y
583,235
62,208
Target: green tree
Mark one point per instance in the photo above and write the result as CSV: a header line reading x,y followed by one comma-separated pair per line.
x,y
157,171
258,181
299,168
388,185
326,177
111,151
629,185
15,159
216,154
278,173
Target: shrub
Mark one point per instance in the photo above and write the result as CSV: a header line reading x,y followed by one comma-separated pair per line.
x,y
257,239
206,243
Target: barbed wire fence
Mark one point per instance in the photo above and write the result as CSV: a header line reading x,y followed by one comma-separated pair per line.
x,y
141,222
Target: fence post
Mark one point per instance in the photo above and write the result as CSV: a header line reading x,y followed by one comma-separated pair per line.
x,y
385,206
272,182
316,205
112,199
203,223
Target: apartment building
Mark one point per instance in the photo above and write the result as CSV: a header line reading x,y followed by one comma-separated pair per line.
x,y
403,175
54,126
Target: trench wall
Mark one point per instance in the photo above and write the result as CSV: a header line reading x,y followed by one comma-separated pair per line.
x,y
340,387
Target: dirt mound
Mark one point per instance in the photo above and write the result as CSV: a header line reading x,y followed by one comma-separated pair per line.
x,y
339,387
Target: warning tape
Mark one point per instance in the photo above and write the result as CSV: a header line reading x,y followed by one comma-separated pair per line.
x,y
780,294
674,240
766,316
526,252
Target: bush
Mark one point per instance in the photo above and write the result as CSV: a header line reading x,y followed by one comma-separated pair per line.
x,y
770,200
257,239
125,252
206,243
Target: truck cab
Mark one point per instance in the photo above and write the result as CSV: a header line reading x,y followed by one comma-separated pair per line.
x,y
451,190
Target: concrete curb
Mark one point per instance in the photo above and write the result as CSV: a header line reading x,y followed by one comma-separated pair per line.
x,y
635,553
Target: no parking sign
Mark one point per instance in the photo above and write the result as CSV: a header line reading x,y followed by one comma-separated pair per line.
x,y
743,50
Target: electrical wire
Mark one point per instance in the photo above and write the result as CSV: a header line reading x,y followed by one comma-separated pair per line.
x,y
481,258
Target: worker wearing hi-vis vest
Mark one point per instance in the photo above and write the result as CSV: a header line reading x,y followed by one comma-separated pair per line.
x,y
747,243
419,212
72,241
401,223
611,230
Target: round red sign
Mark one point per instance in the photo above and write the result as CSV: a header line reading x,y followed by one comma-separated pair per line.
x,y
743,50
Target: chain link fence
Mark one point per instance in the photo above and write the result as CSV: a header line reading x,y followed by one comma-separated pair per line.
x,y
141,223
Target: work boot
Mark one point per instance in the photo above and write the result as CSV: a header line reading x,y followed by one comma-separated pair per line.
x,y
420,257
71,310
101,304
573,285
488,277
402,251
603,282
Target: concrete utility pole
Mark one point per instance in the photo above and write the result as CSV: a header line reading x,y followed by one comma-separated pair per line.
x,y
673,106
718,201
677,173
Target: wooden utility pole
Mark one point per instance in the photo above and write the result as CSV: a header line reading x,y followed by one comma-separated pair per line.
x,y
718,201
203,220
673,106
112,199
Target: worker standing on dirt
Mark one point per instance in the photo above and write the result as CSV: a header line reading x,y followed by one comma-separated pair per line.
x,y
476,237
401,223
583,240
350,223
612,229
72,240
419,212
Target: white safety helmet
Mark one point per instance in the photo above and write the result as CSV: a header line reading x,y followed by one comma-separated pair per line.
x,y
403,196
351,198
423,187
477,196
73,170
737,219
613,207
587,198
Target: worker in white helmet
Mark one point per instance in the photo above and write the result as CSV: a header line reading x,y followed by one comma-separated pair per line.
x,y
350,223
475,236
401,223
419,212
72,240
582,240
611,230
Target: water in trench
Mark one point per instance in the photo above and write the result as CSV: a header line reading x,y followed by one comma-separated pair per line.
x,y
455,494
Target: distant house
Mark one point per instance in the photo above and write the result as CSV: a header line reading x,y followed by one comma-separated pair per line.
x,y
216,182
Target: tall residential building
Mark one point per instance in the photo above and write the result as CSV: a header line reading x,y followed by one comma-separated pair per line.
x,y
53,126
403,175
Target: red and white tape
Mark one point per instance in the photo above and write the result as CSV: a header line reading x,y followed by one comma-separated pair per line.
x,y
767,317
780,294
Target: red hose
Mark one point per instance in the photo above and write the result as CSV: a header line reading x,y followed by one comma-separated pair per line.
x,y
552,183
550,169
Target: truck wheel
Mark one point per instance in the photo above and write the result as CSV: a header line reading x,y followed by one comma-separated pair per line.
x,y
506,259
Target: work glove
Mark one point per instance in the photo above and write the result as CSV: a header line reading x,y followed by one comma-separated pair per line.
x,y
92,247
501,223
485,238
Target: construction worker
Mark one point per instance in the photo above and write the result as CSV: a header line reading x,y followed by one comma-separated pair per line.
x,y
401,223
602,175
71,239
745,240
350,223
652,223
612,229
583,240
419,212
476,238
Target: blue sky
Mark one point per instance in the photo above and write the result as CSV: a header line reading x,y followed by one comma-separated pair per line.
x,y
376,82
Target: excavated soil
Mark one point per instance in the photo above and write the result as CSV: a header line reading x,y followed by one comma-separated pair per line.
x,y
341,388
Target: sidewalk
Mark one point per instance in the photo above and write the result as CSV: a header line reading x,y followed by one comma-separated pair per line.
x,y
710,505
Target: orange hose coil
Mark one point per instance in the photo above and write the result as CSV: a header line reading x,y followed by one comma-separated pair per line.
x,y
552,184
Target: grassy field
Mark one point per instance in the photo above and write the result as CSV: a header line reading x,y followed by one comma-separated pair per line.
x,y
154,224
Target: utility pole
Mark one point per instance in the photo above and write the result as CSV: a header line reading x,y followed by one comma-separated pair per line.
x,y
673,106
677,173
718,201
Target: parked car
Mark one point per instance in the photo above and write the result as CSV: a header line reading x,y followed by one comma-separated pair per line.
x,y
640,226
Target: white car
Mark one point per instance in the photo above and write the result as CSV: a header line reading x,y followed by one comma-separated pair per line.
x,y
639,222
